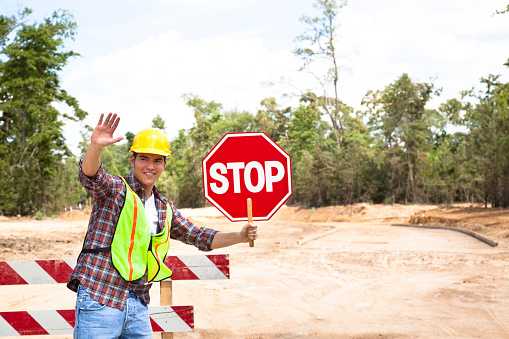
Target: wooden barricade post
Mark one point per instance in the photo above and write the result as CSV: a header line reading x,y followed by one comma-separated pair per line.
x,y
165,318
166,294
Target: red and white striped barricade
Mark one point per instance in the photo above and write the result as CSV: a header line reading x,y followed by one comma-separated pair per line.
x,y
56,322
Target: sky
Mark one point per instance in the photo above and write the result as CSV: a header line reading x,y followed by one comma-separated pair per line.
x,y
138,58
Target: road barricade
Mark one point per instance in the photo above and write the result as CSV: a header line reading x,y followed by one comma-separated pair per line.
x,y
165,318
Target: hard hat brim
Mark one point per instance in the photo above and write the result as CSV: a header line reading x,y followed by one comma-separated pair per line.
x,y
151,151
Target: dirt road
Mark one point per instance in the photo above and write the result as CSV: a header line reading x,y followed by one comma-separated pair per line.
x,y
364,279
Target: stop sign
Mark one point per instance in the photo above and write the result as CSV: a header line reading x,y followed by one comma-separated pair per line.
x,y
247,165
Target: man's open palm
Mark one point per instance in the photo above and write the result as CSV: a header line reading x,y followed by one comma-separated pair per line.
x,y
103,133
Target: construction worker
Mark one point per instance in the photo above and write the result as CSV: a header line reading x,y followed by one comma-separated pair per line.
x,y
128,237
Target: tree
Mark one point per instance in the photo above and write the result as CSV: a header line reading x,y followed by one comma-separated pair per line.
x,y
32,144
304,130
202,137
320,45
129,137
9,24
158,122
311,166
172,180
273,121
399,119
356,170
487,119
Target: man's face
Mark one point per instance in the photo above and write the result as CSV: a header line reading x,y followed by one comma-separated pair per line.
x,y
147,168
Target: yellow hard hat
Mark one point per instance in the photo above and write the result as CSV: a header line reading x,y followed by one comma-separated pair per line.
x,y
152,141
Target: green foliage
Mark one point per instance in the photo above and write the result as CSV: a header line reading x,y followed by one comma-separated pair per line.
x,y
402,125
304,135
9,24
172,179
158,122
33,147
115,158
320,35
304,130
273,121
129,137
404,151
372,163
396,148
488,123
184,180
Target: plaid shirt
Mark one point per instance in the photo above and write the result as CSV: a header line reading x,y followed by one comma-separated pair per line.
x,y
95,271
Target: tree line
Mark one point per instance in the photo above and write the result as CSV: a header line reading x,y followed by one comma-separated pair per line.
x,y
395,148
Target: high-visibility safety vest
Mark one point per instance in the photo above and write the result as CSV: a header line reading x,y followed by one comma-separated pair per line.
x,y
134,250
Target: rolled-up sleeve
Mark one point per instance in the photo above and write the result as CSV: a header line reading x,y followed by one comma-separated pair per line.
x,y
184,230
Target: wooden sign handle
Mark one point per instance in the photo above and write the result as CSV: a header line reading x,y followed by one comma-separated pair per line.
x,y
250,217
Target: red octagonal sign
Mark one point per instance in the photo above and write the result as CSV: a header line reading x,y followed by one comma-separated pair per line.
x,y
247,165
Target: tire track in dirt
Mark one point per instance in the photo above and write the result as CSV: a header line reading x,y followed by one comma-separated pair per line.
x,y
497,318
449,332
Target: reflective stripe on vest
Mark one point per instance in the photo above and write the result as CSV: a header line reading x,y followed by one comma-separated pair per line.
x,y
133,250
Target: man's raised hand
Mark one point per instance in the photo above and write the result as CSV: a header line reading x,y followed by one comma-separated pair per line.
x,y
103,133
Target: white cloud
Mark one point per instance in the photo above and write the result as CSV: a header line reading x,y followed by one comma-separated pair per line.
x,y
221,53
452,43
150,78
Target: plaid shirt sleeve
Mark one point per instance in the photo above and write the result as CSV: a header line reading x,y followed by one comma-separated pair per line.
x,y
100,186
184,230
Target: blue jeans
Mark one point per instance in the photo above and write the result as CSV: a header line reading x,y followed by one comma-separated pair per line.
x,y
97,321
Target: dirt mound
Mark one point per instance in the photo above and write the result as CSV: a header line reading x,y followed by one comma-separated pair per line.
x,y
352,213
491,222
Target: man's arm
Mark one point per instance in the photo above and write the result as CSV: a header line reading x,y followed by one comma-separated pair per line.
x,y
206,239
102,136
222,239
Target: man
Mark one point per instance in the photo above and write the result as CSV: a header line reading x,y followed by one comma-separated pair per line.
x,y
130,219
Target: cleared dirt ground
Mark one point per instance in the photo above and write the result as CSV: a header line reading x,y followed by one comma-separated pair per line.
x,y
335,272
